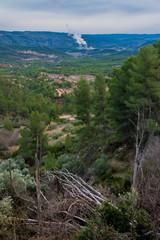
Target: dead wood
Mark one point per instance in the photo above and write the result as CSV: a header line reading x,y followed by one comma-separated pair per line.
x,y
65,210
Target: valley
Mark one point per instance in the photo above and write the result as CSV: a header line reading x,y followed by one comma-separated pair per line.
x,y
79,136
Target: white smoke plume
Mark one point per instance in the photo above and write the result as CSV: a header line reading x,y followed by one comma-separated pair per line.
x,y
82,43
78,37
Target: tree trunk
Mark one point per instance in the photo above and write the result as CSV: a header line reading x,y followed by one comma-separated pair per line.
x,y
38,185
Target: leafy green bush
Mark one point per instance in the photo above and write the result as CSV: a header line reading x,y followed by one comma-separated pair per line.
x,y
17,163
68,129
113,216
96,230
68,143
127,217
144,225
22,182
71,163
115,183
58,148
20,176
66,120
5,211
7,124
56,135
100,166
49,161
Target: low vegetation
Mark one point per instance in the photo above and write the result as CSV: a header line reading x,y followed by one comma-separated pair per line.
x,y
93,174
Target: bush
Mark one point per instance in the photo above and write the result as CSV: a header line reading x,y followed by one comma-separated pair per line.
x,y
115,183
8,124
56,135
71,163
127,217
96,230
68,129
100,166
58,148
68,143
5,211
49,161
22,182
20,175
17,163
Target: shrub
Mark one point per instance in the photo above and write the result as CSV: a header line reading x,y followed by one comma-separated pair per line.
x,y
66,120
115,183
143,225
71,163
8,124
56,135
96,230
20,175
68,129
49,161
5,211
68,143
22,182
127,217
113,216
58,148
100,166
17,163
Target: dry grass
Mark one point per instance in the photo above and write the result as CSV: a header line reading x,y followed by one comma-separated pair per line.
x,y
149,179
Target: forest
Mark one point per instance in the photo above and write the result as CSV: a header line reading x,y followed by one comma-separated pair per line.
x,y
79,148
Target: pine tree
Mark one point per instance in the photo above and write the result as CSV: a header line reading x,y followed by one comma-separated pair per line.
x,y
30,135
100,111
83,106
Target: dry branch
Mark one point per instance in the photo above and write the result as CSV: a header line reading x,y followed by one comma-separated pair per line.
x,y
75,187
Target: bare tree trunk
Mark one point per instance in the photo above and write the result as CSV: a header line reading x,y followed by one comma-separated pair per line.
x,y
140,130
136,157
10,175
138,144
38,185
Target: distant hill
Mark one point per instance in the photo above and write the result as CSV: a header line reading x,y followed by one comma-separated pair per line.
x,y
120,41
14,53
66,42
53,46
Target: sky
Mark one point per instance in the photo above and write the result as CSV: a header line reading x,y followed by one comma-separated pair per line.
x,y
81,16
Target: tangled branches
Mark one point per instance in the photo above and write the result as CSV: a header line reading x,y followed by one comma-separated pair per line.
x,y
68,205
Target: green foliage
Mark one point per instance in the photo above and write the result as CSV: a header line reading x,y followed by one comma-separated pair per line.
x,y
100,166
49,161
135,89
17,163
83,106
22,98
71,163
113,216
68,143
83,101
30,136
20,176
58,148
56,135
68,100
116,184
127,218
5,212
96,230
68,129
7,124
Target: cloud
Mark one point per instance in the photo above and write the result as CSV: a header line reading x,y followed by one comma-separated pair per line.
x,y
83,16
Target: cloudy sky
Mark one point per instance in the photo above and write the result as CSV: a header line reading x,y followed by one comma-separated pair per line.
x,y
81,16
